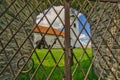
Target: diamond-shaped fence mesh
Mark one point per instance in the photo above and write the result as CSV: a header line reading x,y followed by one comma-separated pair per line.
x,y
59,40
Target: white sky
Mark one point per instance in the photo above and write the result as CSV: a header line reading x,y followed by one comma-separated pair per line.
x,y
51,15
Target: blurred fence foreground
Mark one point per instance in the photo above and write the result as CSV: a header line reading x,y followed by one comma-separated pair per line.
x,y
20,36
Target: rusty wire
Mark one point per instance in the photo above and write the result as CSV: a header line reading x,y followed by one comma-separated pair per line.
x,y
67,74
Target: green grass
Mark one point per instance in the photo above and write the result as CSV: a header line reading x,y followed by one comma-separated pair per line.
x,y
48,64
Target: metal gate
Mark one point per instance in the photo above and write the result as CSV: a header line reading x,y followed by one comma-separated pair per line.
x,y
32,47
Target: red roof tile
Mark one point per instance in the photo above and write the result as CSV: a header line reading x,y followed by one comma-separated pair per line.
x,y
43,29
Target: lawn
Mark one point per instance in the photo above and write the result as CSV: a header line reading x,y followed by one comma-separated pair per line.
x,y
48,66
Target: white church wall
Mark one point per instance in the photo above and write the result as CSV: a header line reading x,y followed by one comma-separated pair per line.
x,y
49,40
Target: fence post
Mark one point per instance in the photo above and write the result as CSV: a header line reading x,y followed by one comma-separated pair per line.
x,y
68,75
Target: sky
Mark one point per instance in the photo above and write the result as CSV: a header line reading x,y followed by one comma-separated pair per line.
x,y
51,16
83,23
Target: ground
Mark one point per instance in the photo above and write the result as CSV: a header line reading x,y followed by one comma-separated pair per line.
x,y
48,65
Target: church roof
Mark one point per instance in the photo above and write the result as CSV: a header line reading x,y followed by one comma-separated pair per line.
x,y
48,30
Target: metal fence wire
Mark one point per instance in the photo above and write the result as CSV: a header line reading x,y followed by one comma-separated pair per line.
x,y
80,41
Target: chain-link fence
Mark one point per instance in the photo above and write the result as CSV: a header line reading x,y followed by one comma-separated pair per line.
x,y
59,39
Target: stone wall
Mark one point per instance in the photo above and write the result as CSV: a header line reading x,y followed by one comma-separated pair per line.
x,y
105,21
14,43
